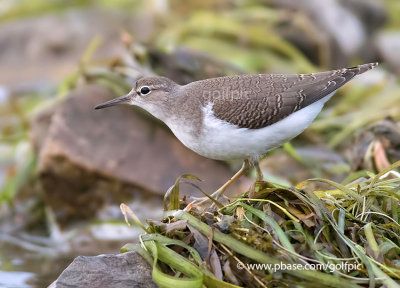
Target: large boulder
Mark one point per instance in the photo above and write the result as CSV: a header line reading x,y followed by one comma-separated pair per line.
x,y
90,158
117,271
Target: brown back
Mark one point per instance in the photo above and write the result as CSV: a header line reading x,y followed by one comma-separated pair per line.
x,y
257,101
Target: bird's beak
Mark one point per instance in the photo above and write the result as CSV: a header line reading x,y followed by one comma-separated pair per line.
x,y
120,100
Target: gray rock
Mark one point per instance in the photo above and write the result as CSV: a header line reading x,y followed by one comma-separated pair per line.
x,y
117,271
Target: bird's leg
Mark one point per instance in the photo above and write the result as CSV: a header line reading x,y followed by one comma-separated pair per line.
x,y
260,176
220,191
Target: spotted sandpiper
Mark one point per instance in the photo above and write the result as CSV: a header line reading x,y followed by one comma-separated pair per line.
x,y
238,117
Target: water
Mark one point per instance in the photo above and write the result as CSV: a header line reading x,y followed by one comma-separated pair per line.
x,y
15,279
20,268
34,261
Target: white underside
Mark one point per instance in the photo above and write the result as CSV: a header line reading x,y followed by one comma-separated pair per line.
x,y
223,141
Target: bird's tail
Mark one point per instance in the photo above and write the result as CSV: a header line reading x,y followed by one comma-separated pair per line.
x,y
362,68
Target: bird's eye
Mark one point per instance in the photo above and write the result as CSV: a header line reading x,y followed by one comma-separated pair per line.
x,y
144,90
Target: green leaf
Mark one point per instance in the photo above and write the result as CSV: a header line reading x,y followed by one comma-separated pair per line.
x,y
137,248
272,223
173,193
369,234
168,241
325,280
176,261
380,174
155,243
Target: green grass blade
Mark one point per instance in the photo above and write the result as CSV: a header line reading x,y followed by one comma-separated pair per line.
x,y
168,241
139,249
272,223
173,193
258,256
176,261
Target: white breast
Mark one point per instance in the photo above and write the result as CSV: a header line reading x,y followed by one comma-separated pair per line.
x,y
224,141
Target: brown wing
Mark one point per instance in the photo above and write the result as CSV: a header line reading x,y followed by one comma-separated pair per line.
x,y
257,101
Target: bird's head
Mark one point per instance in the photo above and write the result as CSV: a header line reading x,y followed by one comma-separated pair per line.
x,y
153,94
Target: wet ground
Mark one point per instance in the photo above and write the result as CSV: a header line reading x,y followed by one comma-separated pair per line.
x,y
19,269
